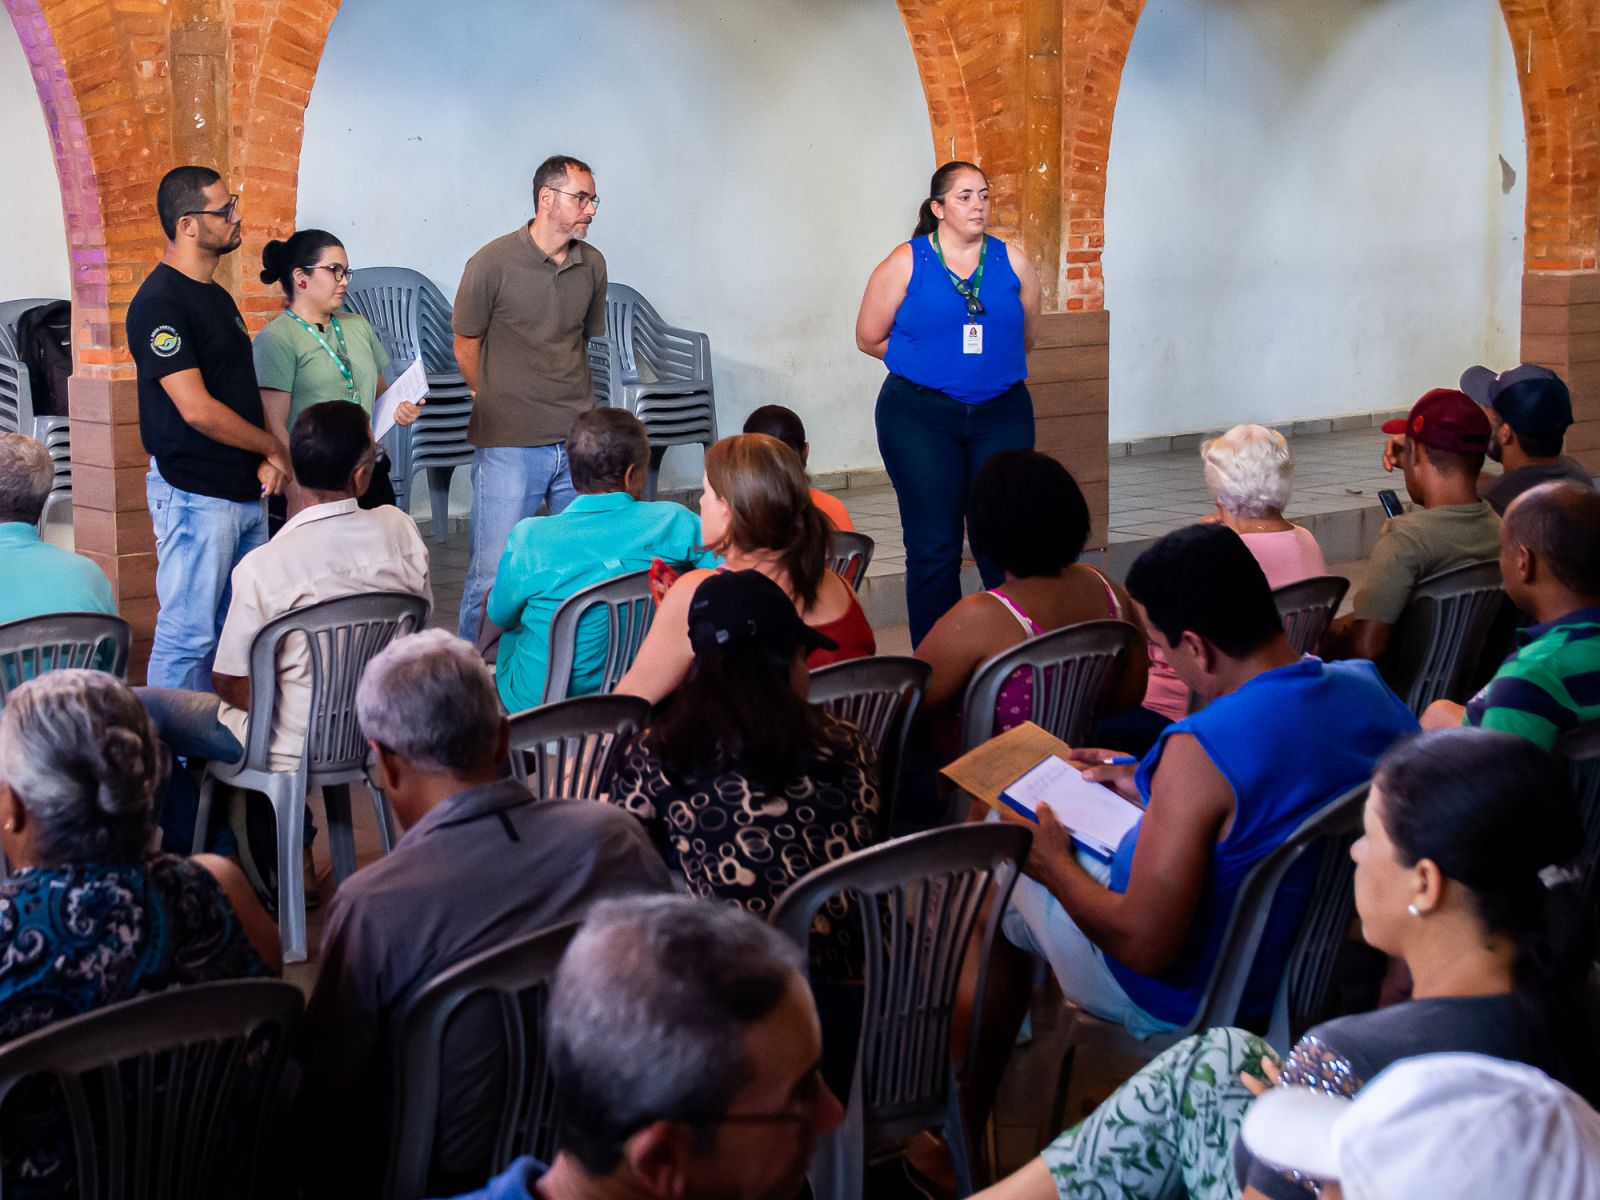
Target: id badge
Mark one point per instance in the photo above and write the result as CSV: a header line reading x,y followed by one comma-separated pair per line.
x,y
972,339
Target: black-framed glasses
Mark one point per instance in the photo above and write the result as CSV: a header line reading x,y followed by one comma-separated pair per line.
x,y
225,213
583,198
339,271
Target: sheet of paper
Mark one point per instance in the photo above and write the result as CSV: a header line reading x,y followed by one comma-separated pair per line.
x,y
412,385
1096,815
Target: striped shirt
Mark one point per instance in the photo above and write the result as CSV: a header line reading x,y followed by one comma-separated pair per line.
x,y
1550,684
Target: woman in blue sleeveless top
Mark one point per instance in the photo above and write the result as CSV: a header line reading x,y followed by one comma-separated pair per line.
x,y
952,314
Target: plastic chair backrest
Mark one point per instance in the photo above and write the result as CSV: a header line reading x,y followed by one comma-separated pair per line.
x,y
343,635
879,696
849,556
1073,668
34,645
154,1087
390,299
16,388
1435,643
1581,748
629,614
1307,607
927,891
517,976
573,743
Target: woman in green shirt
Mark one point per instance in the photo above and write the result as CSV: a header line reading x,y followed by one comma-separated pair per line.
x,y
312,351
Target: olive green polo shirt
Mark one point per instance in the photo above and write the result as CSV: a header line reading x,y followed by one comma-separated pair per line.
x,y
535,317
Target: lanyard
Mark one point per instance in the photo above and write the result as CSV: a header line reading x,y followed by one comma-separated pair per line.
x,y
341,358
968,292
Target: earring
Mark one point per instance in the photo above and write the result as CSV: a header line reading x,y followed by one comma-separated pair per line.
x,y
302,285
10,826
1413,910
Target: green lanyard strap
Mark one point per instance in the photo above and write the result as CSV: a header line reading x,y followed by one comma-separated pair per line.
x,y
341,357
968,292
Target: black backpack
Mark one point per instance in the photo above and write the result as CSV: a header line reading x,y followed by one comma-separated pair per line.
x,y
44,344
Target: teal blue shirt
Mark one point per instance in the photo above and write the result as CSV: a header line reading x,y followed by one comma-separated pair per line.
x,y
547,559
41,578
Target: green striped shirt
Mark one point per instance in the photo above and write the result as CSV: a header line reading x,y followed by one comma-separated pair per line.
x,y
1550,684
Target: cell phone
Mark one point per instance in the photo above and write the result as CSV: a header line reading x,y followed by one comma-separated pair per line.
x,y
1390,502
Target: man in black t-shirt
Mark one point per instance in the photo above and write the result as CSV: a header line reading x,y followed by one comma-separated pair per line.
x,y
200,418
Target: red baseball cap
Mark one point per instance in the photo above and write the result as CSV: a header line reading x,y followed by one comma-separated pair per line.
x,y
1445,419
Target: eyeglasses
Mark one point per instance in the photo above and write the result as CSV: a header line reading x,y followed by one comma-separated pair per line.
x,y
339,271
583,198
225,213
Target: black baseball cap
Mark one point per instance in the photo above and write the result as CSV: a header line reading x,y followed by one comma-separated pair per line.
x,y
735,605
1531,399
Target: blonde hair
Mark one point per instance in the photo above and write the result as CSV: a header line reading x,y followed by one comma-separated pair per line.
x,y
1248,470
769,507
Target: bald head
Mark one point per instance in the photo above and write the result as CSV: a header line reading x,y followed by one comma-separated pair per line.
x,y
1559,523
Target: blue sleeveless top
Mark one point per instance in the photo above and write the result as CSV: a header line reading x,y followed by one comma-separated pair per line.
x,y
1287,742
925,343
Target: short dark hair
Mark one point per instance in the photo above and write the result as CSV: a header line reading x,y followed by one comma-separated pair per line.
x,y
1028,514
1452,462
1536,445
280,259
326,445
1203,579
779,422
602,444
1560,522
552,171
182,190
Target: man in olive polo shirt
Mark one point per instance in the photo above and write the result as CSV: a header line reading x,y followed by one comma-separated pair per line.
x,y
527,306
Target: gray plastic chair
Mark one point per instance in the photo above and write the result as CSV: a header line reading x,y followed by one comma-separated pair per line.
x,y
168,1097
17,413
344,634
1307,607
412,316
1308,968
658,372
1073,669
849,556
573,743
34,645
629,615
1436,643
517,977
1581,748
927,891
879,696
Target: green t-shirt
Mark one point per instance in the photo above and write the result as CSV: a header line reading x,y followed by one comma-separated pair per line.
x,y
1550,684
290,359
1422,543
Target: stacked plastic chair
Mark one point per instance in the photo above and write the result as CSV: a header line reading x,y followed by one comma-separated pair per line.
x,y
412,317
16,405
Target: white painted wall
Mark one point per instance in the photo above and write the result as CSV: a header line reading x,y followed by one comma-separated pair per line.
x,y
1304,210
755,161
33,233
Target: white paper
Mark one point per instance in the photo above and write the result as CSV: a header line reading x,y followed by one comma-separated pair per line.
x,y
412,385
1097,816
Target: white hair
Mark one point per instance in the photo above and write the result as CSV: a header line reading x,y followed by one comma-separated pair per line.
x,y
26,475
1248,470
428,698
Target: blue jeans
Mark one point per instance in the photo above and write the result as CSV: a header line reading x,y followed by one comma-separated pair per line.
x,y
933,447
199,540
187,722
508,484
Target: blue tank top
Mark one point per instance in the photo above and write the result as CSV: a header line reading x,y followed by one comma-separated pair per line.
x,y
925,343
1287,742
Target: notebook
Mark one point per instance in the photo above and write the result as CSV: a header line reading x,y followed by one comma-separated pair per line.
x,y
1097,817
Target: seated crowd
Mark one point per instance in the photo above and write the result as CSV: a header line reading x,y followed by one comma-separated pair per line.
x,y
683,1031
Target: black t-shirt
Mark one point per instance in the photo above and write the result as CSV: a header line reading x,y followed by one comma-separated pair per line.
x,y
176,324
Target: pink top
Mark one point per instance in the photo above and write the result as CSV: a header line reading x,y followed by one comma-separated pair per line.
x,y
1286,556
1014,703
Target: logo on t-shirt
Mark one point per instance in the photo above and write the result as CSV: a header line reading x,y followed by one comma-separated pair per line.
x,y
164,341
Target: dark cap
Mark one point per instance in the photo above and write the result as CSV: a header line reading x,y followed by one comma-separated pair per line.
x,y
1532,400
733,606
1445,420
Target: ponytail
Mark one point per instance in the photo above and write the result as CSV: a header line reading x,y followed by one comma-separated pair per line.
x,y
938,186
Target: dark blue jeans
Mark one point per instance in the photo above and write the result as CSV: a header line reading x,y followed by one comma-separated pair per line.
x,y
933,447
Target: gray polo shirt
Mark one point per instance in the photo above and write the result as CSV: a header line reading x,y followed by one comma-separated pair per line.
x,y
485,866
535,317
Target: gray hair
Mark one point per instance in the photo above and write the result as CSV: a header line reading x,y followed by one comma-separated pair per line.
x,y
26,474
84,759
429,698
1248,470
602,444
647,1012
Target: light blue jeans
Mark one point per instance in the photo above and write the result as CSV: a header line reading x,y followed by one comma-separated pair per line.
x,y
508,484
187,722
199,540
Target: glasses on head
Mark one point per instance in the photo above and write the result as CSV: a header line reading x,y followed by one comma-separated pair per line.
x,y
339,271
583,198
225,213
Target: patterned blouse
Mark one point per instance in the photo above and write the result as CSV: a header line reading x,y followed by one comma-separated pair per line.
x,y
734,840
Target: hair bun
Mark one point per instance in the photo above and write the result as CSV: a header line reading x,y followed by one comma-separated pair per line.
x,y
272,261
126,773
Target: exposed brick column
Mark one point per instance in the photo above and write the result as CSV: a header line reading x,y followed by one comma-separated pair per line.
x,y
1068,374
1561,330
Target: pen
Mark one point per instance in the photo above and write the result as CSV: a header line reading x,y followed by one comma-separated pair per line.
x,y
1119,760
